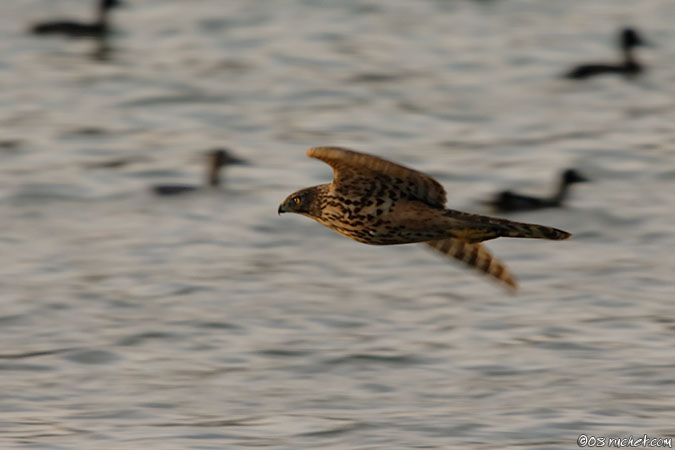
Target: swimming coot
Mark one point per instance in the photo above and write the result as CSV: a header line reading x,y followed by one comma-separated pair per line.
x,y
79,29
628,39
511,201
217,159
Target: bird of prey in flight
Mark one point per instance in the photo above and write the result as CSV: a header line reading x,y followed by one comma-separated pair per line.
x,y
378,202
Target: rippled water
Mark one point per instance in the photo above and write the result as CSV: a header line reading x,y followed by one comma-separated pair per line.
x,y
206,321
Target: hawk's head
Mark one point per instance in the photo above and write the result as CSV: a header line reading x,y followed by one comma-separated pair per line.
x,y
305,201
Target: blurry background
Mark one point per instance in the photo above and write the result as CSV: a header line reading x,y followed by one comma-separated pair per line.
x,y
206,321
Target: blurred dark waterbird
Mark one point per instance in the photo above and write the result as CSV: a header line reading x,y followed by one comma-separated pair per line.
x,y
511,201
74,29
217,159
629,38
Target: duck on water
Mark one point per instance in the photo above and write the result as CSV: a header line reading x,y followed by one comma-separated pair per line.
x,y
217,159
75,29
629,38
511,201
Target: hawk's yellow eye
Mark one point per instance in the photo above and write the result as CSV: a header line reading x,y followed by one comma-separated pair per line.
x,y
296,200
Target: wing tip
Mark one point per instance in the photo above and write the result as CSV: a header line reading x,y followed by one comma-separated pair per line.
x,y
317,152
503,276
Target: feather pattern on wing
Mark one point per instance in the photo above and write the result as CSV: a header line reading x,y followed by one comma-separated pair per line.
x,y
350,166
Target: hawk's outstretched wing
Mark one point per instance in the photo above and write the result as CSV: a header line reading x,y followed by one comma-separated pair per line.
x,y
353,169
477,256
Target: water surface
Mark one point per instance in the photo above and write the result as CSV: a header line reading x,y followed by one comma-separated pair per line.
x,y
208,322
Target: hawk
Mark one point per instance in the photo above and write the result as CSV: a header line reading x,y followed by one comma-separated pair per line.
x,y
378,202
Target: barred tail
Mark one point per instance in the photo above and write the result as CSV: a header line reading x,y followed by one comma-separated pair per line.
x,y
477,256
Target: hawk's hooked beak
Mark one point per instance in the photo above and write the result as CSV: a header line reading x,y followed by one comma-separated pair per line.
x,y
281,209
